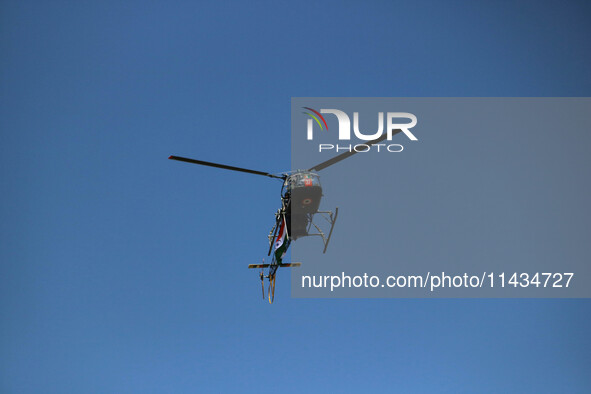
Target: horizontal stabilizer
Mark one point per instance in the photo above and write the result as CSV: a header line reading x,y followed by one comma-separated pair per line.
x,y
268,265
290,265
258,265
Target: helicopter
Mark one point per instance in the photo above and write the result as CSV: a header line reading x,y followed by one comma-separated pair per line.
x,y
301,194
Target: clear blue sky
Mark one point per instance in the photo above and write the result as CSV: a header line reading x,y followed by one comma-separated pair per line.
x,y
122,271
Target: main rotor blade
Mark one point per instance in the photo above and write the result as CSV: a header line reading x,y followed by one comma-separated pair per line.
x,y
225,167
343,156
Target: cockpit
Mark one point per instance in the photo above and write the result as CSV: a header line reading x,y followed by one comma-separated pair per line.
x,y
302,180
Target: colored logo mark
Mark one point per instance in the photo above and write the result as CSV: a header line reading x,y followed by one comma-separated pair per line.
x,y
316,117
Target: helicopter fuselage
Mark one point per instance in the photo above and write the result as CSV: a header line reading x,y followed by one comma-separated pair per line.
x,y
301,200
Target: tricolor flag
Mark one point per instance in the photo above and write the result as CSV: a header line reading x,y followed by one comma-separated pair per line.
x,y
281,242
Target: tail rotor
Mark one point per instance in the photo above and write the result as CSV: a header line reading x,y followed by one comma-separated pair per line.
x,y
262,276
271,288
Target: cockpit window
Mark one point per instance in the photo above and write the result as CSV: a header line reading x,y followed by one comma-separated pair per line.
x,y
303,180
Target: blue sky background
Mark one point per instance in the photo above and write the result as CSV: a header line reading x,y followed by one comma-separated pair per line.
x,y
124,272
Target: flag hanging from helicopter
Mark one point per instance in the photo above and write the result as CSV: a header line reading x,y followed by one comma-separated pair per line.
x,y
281,242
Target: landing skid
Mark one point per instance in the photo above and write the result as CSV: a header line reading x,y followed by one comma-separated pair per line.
x,y
331,218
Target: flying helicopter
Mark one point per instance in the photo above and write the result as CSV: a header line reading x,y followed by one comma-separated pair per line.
x,y
300,201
